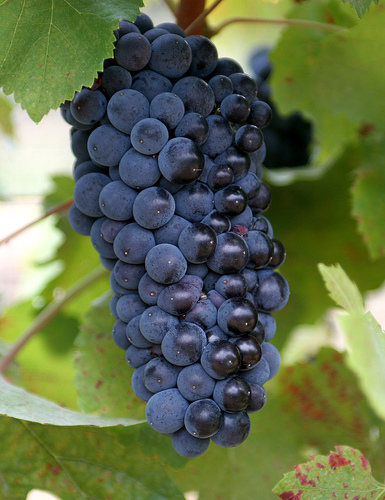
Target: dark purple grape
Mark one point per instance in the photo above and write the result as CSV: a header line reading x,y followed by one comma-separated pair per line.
x,y
234,429
230,256
231,285
237,316
249,138
250,349
258,398
181,161
183,344
159,375
203,418
204,55
219,177
154,323
279,254
165,410
194,383
232,394
235,108
187,445
178,299
119,335
219,222
197,242
245,85
220,359
272,292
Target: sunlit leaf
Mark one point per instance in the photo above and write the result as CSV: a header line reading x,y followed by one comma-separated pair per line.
x,y
49,49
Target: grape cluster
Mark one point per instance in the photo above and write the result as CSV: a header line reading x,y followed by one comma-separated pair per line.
x,y
288,139
169,187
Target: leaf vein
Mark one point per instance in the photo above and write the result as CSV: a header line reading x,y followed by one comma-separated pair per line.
x,y
14,33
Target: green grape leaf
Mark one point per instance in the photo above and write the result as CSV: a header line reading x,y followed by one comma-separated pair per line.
x,y
364,337
366,356
103,377
341,289
49,49
360,6
368,201
6,124
349,58
313,221
18,403
80,462
41,369
344,474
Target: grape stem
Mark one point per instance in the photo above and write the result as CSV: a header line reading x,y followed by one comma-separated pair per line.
x,y
191,13
285,22
200,20
59,208
49,313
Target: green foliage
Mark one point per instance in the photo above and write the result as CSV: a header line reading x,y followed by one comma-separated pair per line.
x,y
50,49
6,125
313,220
368,200
328,77
18,403
344,474
360,6
364,337
79,462
103,378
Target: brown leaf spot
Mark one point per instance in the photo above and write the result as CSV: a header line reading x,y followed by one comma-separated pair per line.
x,y
364,462
330,19
334,495
366,129
98,384
336,461
53,469
289,79
290,495
302,478
319,465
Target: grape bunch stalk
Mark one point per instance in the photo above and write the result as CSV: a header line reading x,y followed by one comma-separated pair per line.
x,y
168,184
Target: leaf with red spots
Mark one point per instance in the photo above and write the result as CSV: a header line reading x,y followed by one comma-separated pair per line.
x,y
344,474
102,375
323,397
79,462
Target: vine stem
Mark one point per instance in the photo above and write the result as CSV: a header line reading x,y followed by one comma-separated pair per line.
x,y
59,208
48,313
200,20
285,22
